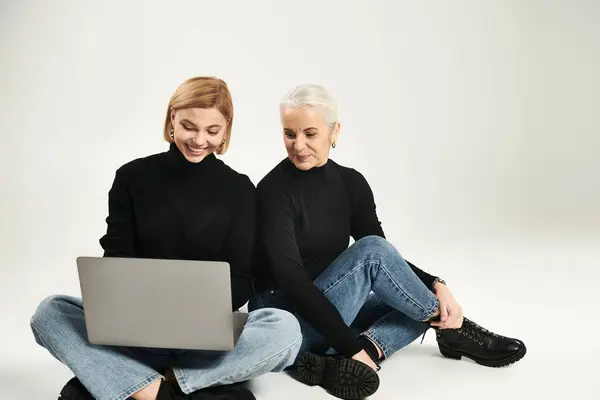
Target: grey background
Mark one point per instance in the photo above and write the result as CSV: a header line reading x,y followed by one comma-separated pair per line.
x,y
475,122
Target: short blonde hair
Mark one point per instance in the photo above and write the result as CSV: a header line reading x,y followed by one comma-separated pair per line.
x,y
202,92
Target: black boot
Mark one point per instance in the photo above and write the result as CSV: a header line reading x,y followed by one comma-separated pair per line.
x,y
480,345
371,350
341,377
169,391
74,390
236,391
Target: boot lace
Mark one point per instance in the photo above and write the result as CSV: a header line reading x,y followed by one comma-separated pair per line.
x,y
476,332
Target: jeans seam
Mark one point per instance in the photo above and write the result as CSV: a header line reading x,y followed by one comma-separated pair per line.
x,y
41,335
425,313
352,271
139,386
181,379
432,311
231,374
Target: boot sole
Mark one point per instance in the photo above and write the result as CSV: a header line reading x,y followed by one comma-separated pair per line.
x,y
457,355
343,378
236,391
74,390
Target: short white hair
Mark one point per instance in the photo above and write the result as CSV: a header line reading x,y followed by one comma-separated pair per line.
x,y
310,95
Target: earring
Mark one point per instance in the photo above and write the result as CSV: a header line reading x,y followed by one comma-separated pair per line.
x,y
224,141
333,145
172,133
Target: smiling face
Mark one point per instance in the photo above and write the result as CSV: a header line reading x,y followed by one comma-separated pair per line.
x,y
307,136
198,132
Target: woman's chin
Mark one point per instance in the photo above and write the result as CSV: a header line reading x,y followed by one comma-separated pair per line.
x,y
304,166
194,159
194,156
300,164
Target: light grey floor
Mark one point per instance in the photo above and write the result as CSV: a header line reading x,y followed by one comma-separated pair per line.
x,y
543,291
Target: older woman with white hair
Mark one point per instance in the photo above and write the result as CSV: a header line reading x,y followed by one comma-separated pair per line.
x,y
356,305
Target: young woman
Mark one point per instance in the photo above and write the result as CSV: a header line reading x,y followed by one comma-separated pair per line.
x,y
186,204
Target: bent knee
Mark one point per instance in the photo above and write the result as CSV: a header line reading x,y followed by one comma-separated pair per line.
x,y
48,310
283,323
283,320
376,243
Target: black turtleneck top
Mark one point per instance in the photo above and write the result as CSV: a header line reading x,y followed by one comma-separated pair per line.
x,y
162,206
305,221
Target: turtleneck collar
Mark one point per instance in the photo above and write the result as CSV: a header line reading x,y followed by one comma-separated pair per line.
x,y
178,160
313,172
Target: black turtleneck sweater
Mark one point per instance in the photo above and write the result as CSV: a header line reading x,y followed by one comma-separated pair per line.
x,y
162,206
305,220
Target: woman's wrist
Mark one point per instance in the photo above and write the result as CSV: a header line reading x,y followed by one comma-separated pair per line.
x,y
438,283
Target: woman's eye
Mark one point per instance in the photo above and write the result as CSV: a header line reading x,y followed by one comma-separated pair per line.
x,y
289,135
311,135
213,132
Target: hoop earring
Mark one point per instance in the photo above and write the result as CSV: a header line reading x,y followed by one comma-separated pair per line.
x,y
333,145
172,133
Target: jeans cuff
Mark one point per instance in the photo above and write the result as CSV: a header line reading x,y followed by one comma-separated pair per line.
x,y
139,386
181,380
370,335
427,315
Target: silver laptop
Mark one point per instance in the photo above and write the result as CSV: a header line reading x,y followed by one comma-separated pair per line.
x,y
172,304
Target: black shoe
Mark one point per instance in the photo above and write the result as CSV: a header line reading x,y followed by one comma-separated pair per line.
x,y
74,390
480,345
236,391
342,377
168,391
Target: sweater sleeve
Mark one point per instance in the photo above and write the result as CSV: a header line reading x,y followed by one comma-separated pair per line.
x,y
365,221
239,245
119,240
279,241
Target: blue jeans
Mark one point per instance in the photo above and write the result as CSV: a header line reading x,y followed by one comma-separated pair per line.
x,y
270,341
375,292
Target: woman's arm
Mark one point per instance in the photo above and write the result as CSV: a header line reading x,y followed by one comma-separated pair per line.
x,y
365,221
119,240
278,238
239,245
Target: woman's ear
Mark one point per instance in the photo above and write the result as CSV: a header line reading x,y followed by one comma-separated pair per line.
x,y
335,134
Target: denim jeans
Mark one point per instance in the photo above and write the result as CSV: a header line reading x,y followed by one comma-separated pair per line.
x,y
270,341
375,292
